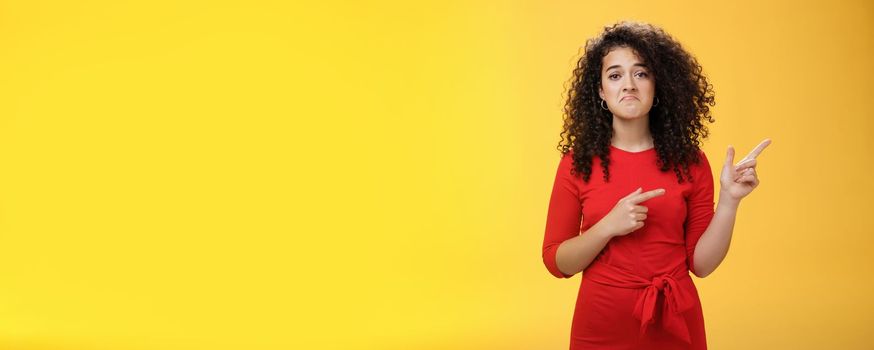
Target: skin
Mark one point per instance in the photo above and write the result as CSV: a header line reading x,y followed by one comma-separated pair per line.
x,y
628,89
624,74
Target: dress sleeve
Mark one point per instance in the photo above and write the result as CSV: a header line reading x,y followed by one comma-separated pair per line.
x,y
564,214
699,207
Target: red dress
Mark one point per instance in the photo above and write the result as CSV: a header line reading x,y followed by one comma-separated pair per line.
x,y
637,293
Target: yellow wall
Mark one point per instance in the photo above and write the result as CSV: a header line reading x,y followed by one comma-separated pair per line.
x,y
375,175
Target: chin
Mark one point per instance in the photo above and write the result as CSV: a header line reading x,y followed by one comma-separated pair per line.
x,y
631,117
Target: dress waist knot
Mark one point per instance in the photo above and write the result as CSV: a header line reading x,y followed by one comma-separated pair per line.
x,y
676,296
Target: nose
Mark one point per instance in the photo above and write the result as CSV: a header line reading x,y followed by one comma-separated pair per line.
x,y
628,84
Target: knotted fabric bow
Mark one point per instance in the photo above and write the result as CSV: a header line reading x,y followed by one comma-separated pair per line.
x,y
677,299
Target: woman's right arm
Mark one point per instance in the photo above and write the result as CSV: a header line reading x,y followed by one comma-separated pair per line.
x,y
566,251
626,216
575,254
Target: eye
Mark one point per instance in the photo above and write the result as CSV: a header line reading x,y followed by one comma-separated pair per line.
x,y
643,74
611,76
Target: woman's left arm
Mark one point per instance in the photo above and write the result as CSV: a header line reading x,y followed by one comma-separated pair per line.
x,y
736,182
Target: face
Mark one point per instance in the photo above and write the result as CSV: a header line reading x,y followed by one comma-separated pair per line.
x,y
626,84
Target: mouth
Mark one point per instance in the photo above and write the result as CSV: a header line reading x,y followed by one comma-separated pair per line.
x,y
628,98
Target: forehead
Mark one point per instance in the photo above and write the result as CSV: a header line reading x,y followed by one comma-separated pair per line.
x,y
621,56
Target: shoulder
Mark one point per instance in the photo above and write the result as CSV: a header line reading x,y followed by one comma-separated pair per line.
x,y
567,161
568,157
566,166
701,169
702,157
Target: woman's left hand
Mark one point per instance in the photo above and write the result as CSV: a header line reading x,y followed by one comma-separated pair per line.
x,y
740,179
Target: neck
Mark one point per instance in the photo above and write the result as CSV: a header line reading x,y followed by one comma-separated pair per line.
x,y
632,135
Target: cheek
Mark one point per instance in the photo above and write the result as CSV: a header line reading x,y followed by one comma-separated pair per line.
x,y
608,89
648,86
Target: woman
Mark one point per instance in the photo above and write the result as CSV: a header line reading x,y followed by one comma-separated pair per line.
x,y
632,203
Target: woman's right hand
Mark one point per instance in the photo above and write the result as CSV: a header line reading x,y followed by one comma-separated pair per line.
x,y
628,215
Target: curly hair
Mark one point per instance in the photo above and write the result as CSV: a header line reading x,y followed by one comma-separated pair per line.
x,y
676,122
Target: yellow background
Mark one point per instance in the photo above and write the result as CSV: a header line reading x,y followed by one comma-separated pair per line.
x,y
375,174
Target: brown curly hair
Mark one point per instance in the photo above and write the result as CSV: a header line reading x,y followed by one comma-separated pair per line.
x,y
676,122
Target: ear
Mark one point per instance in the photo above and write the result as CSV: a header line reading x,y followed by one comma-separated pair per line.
x,y
601,91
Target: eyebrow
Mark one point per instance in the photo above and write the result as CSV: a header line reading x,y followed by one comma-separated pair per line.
x,y
617,66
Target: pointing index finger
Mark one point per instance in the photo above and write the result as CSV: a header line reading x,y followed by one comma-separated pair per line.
x,y
647,195
758,150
